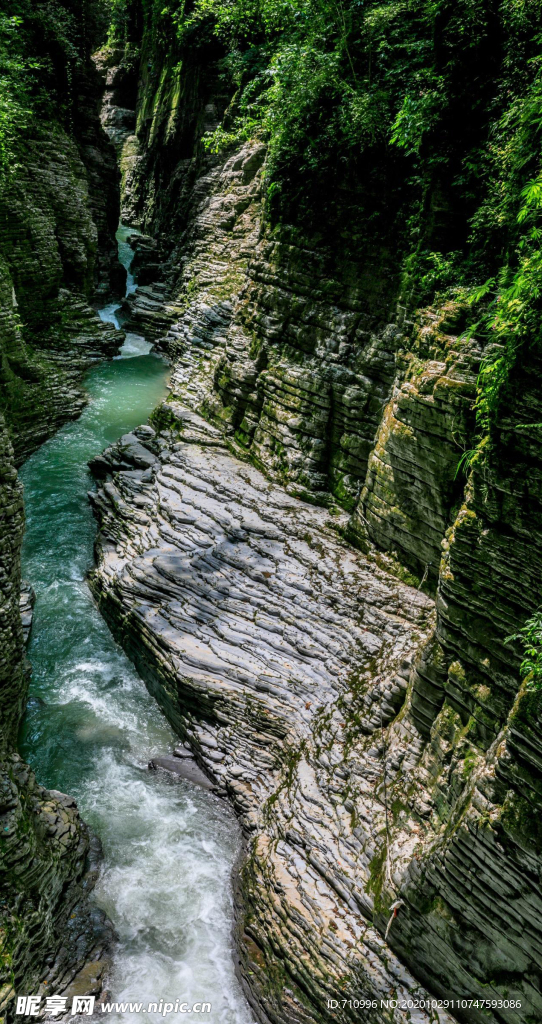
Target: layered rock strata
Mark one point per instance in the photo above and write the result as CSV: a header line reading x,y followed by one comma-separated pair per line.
x,y
118,70
414,474
49,334
293,365
284,658
59,211
382,754
281,656
363,795
290,343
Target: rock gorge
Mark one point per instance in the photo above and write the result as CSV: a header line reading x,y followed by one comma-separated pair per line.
x,y
58,213
316,594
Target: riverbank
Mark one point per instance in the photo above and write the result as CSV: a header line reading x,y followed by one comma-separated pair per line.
x,y
91,729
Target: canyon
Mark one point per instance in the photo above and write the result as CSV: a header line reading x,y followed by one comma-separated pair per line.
x,y
316,592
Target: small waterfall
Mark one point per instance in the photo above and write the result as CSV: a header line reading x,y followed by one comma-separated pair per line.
x,y
134,345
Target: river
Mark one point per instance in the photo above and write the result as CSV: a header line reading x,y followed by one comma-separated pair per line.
x,y
91,727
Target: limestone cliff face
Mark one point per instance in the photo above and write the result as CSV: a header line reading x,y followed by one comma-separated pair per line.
x,y
59,210
43,358
297,345
378,758
412,482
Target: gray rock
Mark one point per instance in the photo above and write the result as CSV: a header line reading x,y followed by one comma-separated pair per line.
x,y
182,767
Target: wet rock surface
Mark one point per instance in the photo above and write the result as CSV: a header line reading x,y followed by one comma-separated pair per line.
x,y
181,767
26,604
48,868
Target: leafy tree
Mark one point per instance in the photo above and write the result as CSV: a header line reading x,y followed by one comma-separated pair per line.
x,y
42,43
15,88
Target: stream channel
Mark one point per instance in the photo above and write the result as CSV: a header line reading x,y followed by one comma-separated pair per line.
x,y
91,727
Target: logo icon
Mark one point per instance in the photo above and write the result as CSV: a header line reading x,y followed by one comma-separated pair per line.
x,y
83,1004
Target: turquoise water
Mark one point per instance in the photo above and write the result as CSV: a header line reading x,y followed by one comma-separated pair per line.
x,y
91,728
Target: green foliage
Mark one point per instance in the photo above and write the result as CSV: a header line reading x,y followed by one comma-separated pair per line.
x,y
42,45
509,323
412,127
513,322
530,639
119,21
343,90
15,82
437,273
466,461
415,118
304,74
532,199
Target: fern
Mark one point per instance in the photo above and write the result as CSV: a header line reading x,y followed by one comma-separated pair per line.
x,y
465,461
531,194
476,295
530,639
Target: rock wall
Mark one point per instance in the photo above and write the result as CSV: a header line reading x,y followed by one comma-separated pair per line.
x,y
42,362
384,764
49,334
412,481
58,217
292,364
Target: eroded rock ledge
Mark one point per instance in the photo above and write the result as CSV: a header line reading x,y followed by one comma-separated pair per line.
x,y
290,664
281,656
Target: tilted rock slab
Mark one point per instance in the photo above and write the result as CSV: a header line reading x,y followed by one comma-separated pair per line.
x,y
293,665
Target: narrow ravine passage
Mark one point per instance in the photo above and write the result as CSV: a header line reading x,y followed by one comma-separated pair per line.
x,y
91,727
